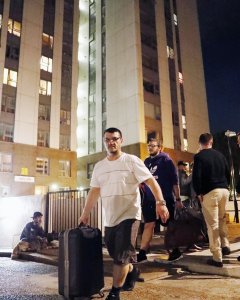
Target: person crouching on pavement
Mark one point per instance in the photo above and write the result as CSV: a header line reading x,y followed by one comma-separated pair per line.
x,y
32,238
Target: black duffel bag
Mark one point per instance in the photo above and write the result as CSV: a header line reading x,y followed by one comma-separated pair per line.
x,y
186,229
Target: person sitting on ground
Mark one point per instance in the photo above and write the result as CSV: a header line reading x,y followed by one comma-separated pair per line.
x,y
33,237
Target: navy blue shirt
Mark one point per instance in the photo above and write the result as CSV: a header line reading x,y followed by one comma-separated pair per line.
x,y
163,170
31,232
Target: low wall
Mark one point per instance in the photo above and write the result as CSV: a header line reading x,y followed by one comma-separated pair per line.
x,y
15,213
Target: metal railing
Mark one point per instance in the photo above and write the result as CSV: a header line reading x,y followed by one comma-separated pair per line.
x,y
64,208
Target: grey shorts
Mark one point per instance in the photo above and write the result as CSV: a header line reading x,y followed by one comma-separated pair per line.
x,y
120,241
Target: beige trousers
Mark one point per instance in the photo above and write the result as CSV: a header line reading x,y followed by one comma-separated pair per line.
x,y
214,211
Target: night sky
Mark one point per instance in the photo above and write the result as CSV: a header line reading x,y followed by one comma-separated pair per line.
x,y
220,36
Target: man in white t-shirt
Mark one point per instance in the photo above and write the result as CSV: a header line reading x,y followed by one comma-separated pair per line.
x,y
116,180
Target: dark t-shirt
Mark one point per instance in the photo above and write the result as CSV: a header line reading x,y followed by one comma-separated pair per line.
x,y
210,171
32,231
163,170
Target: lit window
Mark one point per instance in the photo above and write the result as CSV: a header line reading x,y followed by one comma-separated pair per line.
x,y
43,138
42,165
6,132
149,110
45,87
152,111
184,124
180,77
5,162
185,144
65,117
10,77
64,168
64,142
8,104
47,40
14,27
170,52
46,64
175,19
44,112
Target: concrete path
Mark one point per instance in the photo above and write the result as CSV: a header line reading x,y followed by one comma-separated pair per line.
x,y
196,262
192,261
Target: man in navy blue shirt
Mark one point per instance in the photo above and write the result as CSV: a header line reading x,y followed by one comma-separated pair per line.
x,y
163,170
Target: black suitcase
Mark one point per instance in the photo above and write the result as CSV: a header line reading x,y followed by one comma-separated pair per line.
x,y
80,267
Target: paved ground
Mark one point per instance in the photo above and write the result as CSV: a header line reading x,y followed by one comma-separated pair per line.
x,y
189,278
24,280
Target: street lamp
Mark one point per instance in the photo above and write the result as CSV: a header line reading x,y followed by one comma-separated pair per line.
x,y
230,134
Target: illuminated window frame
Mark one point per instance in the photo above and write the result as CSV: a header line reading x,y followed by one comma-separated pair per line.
x,y
170,52
180,77
5,162
6,132
10,77
42,165
46,64
14,27
45,87
47,40
64,168
185,144
175,19
184,123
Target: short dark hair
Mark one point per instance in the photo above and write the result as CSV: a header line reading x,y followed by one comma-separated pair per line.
x,y
205,138
155,140
182,163
112,130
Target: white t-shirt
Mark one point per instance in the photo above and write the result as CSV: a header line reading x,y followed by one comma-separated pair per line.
x,y
118,181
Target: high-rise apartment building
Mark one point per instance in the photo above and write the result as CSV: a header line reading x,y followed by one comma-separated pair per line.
x,y
71,68
38,95
141,70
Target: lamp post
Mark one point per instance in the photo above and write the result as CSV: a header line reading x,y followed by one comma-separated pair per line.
x,y
230,134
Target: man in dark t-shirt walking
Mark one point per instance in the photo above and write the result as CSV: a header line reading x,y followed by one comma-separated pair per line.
x,y
164,171
211,179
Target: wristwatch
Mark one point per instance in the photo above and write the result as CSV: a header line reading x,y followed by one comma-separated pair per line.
x,y
160,202
178,199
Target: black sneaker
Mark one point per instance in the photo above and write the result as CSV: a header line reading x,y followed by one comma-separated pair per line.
x,y
141,256
214,263
112,296
131,279
175,255
226,251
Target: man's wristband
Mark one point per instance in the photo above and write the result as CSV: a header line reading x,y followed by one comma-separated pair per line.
x,y
178,199
160,202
